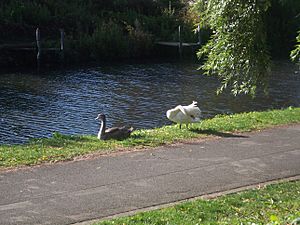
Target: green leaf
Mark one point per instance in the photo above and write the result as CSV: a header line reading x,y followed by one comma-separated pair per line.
x,y
273,218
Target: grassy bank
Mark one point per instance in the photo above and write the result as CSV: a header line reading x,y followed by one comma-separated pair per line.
x,y
62,147
273,204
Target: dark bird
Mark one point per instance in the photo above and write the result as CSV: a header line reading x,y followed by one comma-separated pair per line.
x,y
118,133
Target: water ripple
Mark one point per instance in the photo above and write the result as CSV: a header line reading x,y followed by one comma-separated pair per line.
x,y
138,95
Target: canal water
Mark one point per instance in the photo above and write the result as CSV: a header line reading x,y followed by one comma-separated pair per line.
x,y
35,105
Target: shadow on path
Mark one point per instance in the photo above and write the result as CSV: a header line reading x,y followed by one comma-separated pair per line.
x,y
217,133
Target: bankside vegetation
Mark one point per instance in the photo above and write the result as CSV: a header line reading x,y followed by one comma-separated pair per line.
x,y
295,54
273,204
63,147
96,29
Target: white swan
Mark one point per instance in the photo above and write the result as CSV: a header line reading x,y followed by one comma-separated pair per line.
x,y
185,114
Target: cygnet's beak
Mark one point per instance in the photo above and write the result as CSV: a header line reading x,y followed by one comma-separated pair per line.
x,y
97,118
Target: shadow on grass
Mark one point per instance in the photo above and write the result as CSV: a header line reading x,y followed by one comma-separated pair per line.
x,y
137,136
217,133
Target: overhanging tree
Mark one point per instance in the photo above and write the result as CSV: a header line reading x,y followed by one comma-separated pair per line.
x,y
237,50
295,54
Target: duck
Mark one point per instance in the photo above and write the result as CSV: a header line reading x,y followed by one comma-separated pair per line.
x,y
184,114
118,133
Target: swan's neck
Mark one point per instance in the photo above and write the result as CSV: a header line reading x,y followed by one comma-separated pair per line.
x,y
102,129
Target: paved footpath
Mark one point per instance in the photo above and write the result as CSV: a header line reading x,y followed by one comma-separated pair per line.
x,y
72,192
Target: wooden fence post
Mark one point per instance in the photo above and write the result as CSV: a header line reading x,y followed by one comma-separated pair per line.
x,y
62,43
180,41
38,45
199,35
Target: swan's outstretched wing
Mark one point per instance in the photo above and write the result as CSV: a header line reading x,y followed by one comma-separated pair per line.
x,y
193,112
182,109
178,111
185,114
179,115
196,111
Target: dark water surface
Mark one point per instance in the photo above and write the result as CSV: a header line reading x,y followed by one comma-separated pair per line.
x,y
36,105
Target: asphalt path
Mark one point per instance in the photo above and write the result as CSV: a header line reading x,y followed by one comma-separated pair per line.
x,y
83,190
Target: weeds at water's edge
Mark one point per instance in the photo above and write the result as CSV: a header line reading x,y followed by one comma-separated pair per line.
x,y
65,147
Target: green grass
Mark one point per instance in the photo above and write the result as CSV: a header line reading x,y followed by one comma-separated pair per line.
x,y
273,204
62,147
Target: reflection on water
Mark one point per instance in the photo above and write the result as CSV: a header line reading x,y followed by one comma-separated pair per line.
x,y
138,95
